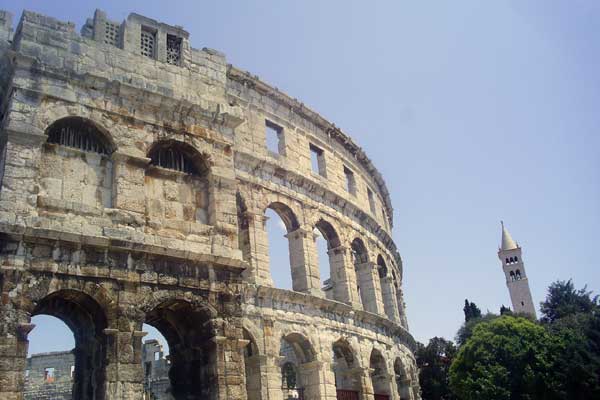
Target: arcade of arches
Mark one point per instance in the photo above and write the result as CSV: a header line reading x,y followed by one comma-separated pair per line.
x,y
133,190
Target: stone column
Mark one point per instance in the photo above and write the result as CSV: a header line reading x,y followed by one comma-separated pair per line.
x,y
305,272
229,373
313,379
368,279
388,293
15,325
256,377
343,276
124,372
259,269
366,385
13,359
401,308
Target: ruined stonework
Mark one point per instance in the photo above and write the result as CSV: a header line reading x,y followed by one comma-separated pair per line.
x,y
49,376
156,371
135,176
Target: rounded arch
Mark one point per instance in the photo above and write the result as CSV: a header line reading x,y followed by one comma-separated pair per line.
x,y
359,251
303,349
329,233
379,373
252,366
87,320
345,362
82,133
179,156
382,269
286,214
187,328
402,379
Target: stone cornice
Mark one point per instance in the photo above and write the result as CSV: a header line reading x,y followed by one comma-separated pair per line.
x,y
264,296
27,233
247,79
220,115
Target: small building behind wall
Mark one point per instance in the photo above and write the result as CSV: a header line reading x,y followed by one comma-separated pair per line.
x,y
135,172
49,376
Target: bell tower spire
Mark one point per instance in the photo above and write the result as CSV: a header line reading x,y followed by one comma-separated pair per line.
x,y
510,256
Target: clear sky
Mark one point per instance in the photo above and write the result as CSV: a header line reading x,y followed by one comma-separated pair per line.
x,y
473,111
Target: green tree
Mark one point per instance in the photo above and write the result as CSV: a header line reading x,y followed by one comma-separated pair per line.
x,y
434,362
573,318
505,310
507,358
466,330
471,311
563,300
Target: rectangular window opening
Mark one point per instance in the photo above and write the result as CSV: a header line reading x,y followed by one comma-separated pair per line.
x,y
371,201
147,42
173,49
111,33
49,375
317,160
274,135
350,181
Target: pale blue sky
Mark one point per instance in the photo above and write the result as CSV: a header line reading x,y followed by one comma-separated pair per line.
x,y
473,111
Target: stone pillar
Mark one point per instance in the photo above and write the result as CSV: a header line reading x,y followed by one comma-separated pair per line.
x,y
388,293
272,364
256,377
313,381
305,272
401,308
124,372
229,374
128,182
343,276
368,279
259,269
13,359
366,385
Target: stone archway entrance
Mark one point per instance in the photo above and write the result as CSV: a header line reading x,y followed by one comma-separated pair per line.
x,y
84,316
188,331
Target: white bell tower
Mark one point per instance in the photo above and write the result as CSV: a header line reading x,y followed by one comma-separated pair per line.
x,y
510,255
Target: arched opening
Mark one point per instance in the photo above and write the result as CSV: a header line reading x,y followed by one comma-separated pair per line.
x,y
329,260
76,167
387,289
517,274
298,380
87,321
402,380
156,362
345,370
516,259
507,260
362,269
187,331
50,357
379,376
512,275
280,222
177,184
79,133
252,368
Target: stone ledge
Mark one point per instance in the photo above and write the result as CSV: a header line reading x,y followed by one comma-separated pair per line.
x,y
265,294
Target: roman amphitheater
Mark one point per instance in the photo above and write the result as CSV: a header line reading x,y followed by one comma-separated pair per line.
x,y
136,174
